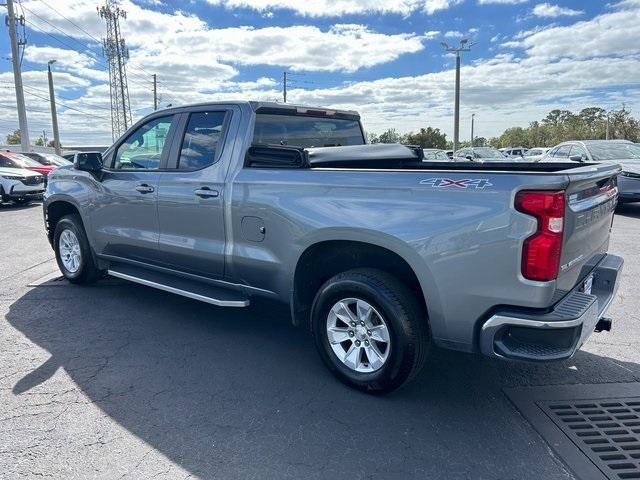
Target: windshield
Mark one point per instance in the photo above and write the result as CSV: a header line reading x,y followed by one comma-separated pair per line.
x,y
20,161
487,152
614,151
56,159
305,131
435,155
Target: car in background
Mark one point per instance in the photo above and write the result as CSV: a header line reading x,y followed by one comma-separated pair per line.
x,y
19,185
435,155
481,154
535,154
514,151
47,158
449,154
17,160
622,152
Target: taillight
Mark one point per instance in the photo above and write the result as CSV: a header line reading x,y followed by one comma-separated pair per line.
x,y
541,251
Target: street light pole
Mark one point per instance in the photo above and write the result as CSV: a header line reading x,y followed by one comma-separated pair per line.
x,y
473,116
54,115
465,46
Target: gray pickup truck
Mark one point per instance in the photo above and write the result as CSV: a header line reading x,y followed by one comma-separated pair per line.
x,y
380,253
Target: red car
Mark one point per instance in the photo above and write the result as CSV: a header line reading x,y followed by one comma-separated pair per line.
x,y
16,160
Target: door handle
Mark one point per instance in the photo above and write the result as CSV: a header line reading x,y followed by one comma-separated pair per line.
x,y
206,192
144,188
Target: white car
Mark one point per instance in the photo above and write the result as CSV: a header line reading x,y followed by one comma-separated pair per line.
x,y
20,185
535,154
514,152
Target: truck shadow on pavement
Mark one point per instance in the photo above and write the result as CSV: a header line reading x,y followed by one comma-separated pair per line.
x,y
629,210
240,393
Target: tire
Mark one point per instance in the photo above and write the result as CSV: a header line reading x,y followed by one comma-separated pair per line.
x,y
400,314
85,271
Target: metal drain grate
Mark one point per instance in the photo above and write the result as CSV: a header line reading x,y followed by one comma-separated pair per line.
x,y
606,430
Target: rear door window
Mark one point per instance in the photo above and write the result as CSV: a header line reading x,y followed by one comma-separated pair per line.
x,y
202,140
306,131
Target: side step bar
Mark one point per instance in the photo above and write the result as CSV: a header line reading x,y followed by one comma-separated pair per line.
x,y
203,292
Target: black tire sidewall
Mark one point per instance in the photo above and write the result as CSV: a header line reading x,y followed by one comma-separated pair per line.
x,y
386,378
69,223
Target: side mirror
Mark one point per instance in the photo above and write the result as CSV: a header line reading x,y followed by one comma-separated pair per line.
x,y
576,158
88,161
468,157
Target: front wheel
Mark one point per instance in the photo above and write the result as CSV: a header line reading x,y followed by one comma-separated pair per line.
x,y
73,252
370,330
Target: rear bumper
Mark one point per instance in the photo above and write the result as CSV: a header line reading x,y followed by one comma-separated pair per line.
x,y
557,334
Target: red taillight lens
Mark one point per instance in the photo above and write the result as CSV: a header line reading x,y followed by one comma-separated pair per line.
x,y
541,251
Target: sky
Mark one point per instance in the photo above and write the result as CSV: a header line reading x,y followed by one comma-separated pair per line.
x,y
381,58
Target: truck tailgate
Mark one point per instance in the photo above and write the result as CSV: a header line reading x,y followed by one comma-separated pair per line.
x,y
591,198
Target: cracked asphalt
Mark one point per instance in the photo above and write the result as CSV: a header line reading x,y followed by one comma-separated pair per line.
x,y
120,381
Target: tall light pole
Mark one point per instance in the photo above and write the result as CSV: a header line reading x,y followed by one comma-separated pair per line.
x,y
473,117
465,46
17,76
54,115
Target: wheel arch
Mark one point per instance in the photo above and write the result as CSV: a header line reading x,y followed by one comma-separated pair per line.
x,y
338,255
54,210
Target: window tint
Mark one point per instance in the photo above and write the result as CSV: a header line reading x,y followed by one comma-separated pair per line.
x,y
143,148
304,131
201,139
562,151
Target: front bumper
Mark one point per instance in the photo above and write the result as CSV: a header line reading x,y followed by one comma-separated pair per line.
x,y
628,188
19,190
557,334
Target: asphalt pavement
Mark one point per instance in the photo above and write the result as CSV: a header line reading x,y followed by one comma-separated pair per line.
x,y
120,381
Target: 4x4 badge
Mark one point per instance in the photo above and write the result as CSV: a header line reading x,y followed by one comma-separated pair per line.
x,y
477,183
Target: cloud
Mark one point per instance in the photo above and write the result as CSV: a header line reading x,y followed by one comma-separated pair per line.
x,y
501,2
330,8
553,11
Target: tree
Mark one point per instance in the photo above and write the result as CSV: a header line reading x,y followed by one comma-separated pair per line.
x,y
39,142
427,138
52,144
390,136
480,142
13,138
371,137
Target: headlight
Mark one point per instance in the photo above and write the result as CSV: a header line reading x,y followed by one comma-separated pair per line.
x,y
12,177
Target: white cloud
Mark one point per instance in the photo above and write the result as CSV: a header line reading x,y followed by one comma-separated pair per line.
x,y
501,2
454,34
330,8
553,11
430,35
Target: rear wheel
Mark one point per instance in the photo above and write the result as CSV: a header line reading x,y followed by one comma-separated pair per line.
x,y
73,252
370,330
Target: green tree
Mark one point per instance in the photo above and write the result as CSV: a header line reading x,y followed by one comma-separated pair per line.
x,y
427,138
390,136
39,142
13,138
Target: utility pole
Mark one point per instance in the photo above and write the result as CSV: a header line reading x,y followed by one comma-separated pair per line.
x,y
54,115
606,134
284,86
473,116
155,91
465,46
17,75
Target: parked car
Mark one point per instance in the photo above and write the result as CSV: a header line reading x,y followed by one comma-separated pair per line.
x,y
535,154
481,154
19,185
449,154
47,158
622,152
515,152
17,160
435,155
380,254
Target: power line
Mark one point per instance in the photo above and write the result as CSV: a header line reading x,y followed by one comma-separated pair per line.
x,y
42,90
68,107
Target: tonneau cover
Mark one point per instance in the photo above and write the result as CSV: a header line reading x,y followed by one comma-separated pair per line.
x,y
354,154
